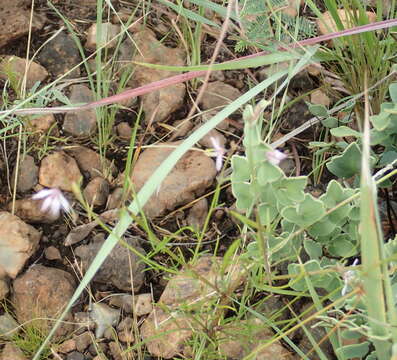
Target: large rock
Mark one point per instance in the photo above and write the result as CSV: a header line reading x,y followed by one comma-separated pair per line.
x,y
13,68
81,123
43,292
167,328
18,242
59,170
14,20
190,177
157,105
60,55
117,267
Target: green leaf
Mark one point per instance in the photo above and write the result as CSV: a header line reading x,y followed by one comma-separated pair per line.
x,y
318,110
268,173
381,121
393,91
241,170
348,164
290,190
342,131
313,249
242,192
342,246
353,351
330,122
267,213
305,213
323,227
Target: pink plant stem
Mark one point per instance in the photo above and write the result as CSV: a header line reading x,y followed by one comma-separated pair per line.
x,y
194,74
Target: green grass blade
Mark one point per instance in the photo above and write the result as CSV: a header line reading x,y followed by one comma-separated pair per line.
x,y
233,65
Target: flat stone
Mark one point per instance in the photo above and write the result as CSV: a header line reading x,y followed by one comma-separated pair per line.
x,y
160,104
59,170
96,192
43,292
81,123
117,267
29,210
10,351
13,68
14,18
218,136
28,173
190,177
218,94
18,242
60,55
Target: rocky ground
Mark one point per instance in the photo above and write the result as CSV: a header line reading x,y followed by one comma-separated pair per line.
x,y
43,255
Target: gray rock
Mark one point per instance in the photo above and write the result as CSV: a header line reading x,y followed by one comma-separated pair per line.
x,y
28,173
190,177
42,292
140,304
81,123
118,265
75,355
60,55
18,242
8,326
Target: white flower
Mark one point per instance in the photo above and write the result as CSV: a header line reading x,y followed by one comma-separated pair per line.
x,y
219,152
275,157
53,201
348,277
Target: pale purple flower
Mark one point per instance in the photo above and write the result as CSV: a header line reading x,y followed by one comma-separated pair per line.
x,y
53,201
348,277
219,152
275,157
